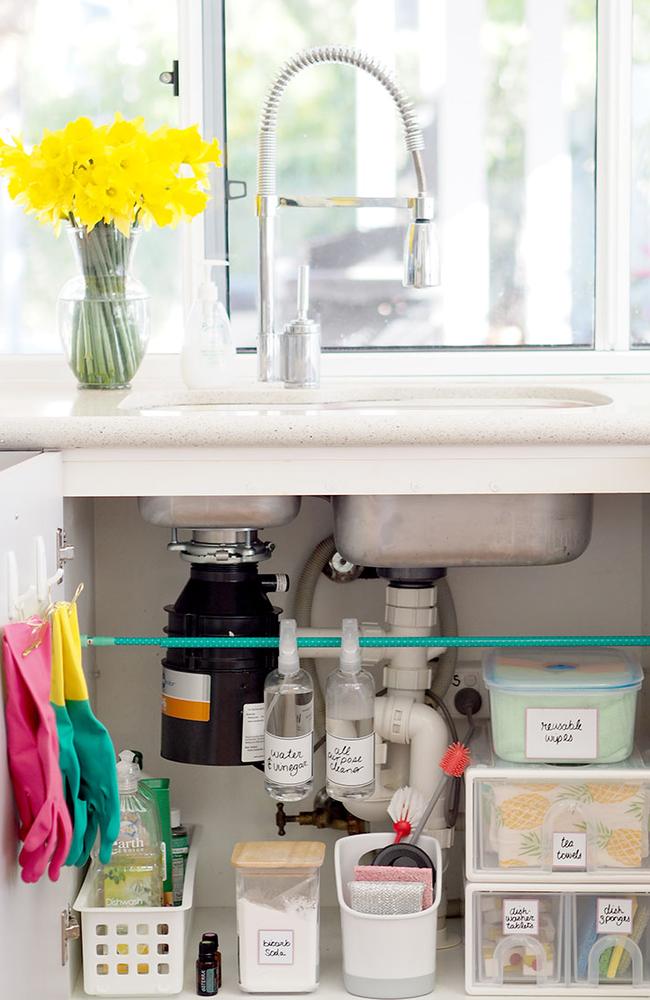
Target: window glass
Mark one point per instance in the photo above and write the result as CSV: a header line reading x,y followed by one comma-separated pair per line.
x,y
505,92
640,206
60,60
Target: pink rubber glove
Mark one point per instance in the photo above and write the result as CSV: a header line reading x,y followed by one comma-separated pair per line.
x,y
33,752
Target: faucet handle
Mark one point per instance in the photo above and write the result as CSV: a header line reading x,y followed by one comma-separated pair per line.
x,y
303,291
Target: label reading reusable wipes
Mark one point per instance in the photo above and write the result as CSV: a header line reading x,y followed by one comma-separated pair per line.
x,y
561,733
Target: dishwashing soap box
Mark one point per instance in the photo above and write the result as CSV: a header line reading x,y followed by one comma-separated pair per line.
x,y
562,706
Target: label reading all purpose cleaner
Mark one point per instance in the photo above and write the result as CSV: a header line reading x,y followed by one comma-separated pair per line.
x,y
351,761
561,733
186,695
288,760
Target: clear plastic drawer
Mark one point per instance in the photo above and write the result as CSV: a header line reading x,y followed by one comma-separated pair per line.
x,y
558,823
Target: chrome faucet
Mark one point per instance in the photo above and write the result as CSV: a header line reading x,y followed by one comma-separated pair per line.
x,y
421,258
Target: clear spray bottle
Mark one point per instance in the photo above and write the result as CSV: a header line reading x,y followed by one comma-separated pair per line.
x,y
288,723
350,713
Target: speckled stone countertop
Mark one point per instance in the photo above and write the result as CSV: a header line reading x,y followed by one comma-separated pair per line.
x,y
566,411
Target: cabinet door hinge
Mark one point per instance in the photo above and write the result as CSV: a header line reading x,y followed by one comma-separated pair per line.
x,y
70,931
64,552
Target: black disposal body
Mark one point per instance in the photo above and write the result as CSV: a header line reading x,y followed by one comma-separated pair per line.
x,y
205,691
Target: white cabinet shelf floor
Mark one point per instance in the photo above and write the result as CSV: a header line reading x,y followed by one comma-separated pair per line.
x,y
450,972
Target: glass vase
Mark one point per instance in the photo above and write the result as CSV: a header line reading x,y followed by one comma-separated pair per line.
x,y
103,312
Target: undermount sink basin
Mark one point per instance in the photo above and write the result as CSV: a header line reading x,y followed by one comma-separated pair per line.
x,y
377,396
396,532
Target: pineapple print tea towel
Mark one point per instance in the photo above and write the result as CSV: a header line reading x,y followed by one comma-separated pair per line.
x,y
523,817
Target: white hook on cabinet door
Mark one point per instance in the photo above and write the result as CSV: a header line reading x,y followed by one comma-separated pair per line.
x,y
11,582
44,583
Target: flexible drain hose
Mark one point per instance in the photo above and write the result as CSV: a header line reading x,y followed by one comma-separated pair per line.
x,y
303,604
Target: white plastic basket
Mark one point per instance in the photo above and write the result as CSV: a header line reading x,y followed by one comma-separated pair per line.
x,y
136,951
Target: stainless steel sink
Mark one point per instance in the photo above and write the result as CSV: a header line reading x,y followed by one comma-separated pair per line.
x,y
390,394
219,512
415,531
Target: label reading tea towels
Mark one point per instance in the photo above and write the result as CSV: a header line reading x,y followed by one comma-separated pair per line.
x,y
570,852
288,760
351,761
521,916
561,733
613,916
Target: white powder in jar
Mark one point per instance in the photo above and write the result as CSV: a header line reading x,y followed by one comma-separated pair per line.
x,y
278,946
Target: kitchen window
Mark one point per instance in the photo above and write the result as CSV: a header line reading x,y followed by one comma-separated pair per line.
x,y
537,123
58,61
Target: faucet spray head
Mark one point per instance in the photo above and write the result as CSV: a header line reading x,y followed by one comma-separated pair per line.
x,y
421,255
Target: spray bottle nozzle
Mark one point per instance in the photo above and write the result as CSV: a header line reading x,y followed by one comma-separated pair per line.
x,y
350,651
288,659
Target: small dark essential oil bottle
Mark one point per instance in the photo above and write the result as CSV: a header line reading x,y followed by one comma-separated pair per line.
x,y
207,977
213,938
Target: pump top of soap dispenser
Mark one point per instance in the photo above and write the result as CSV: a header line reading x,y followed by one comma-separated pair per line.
x,y
288,659
350,650
128,772
208,289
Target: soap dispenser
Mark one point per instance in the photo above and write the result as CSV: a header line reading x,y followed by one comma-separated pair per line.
x,y
288,723
208,356
301,342
349,722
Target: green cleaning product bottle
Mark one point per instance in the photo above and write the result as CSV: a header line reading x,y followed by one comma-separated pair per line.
x,y
133,876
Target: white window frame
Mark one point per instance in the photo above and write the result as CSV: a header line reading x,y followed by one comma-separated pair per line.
x,y
610,354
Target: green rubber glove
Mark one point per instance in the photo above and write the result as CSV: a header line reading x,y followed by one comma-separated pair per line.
x,y
98,777
68,760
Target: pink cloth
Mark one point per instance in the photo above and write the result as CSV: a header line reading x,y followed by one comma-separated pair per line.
x,y
385,873
33,751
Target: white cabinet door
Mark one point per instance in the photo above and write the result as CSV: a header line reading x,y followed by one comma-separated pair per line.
x,y
30,941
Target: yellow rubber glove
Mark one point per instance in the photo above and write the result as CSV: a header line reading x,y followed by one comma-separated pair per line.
x,y
98,777
68,760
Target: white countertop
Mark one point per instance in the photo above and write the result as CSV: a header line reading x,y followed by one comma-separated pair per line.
x,y
435,435
54,414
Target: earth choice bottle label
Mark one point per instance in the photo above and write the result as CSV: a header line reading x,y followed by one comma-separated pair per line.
x,y
351,761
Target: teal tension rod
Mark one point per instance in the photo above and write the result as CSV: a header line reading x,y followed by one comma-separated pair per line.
x,y
382,642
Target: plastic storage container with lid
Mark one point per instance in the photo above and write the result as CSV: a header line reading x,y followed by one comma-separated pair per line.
x,y
562,705
278,887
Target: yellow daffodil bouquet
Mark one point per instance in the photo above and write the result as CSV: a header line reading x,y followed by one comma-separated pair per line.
x,y
106,183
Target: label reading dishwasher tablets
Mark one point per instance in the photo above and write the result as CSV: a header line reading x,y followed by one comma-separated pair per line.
x,y
521,916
